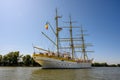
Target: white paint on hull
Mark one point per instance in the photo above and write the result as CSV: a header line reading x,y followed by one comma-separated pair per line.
x,y
55,63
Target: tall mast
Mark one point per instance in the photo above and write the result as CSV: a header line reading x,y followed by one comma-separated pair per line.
x,y
57,31
71,38
83,46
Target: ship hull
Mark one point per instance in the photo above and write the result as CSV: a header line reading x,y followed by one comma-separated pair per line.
x,y
55,63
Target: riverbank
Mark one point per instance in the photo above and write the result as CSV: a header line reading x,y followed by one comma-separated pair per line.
x,y
93,65
105,65
15,59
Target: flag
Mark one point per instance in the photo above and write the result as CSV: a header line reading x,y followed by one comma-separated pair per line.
x,y
46,25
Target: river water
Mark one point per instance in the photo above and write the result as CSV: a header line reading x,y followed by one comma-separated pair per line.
x,y
36,73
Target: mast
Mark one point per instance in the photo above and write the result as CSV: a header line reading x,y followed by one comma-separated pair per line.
x,y
71,38
57,32
83,45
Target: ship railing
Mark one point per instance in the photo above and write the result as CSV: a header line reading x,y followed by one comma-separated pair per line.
x,y
54,57
83,61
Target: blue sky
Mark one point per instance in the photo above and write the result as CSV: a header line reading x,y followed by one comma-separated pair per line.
x,y
21,23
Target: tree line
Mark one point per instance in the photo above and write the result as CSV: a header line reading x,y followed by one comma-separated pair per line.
x,y
15,59
105,65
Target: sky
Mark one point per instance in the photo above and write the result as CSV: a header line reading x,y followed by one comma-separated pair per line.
x,y
22,21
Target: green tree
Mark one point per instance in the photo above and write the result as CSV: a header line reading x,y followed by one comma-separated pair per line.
x,y
11,59
5,60
15,57
104,64
27,60
100,64
0,59
118,65
112,65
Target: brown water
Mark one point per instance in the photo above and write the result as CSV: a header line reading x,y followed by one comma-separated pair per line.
x,y
36,73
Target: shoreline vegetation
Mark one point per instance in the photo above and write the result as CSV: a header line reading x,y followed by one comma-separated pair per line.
x,y
14,59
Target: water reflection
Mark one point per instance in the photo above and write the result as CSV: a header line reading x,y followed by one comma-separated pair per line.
x,y
14,73
61,74
36,73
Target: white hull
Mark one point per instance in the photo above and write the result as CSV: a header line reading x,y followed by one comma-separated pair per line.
x,y
55,63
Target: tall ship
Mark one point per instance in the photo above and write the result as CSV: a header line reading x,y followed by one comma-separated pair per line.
x,y
70,49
